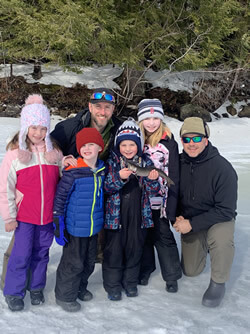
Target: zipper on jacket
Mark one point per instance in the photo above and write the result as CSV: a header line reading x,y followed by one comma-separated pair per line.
x,y
94,200
42,187
192,182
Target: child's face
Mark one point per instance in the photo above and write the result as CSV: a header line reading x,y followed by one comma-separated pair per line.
x,y
128,148
151,124
90,151
36,134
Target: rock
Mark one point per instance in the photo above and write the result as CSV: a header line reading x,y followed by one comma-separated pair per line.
x,y
231,110
225,115
245,112
10,111
193,110
217,115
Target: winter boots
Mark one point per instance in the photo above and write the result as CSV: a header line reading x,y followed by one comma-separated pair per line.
x,y
85,295
37,297
172,286
214,294
115,296
143,280
69,306
14,303
131,292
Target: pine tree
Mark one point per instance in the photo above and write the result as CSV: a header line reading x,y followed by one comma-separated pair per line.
x,y
136,34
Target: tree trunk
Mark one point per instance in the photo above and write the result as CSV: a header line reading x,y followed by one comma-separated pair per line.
x,y
37,71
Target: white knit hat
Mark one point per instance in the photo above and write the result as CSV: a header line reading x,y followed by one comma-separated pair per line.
x,y
34,113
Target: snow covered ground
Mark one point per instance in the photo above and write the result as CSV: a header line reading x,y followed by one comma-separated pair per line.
x,y
154,311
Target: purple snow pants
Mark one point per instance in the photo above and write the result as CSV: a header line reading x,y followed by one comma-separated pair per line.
x,y
29,256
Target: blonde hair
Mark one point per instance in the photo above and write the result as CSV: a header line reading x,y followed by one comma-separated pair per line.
x,y
13,144
154,138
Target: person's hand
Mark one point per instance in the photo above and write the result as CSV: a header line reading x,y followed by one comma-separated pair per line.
x,y
153,175
60,231
9,227
182,225
69,161
125,173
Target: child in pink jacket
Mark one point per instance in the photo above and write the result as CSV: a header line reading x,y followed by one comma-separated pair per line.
x,y
29,175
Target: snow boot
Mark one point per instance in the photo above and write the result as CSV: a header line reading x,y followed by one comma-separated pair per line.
x,y
69,306
37,297
115,296
172,286
214,294
143,281
85,295
131,292
14,303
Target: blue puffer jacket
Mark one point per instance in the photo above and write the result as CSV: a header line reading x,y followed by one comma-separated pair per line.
x,y
79,199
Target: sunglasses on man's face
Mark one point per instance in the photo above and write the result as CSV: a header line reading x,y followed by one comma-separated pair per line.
x,y
196,139
99,96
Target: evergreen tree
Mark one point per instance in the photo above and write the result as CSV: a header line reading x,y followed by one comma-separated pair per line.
x,y
138,35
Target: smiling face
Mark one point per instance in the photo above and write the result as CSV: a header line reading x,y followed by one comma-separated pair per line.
x,y
151,124
101,113
128,149
194,149
89,153
36,134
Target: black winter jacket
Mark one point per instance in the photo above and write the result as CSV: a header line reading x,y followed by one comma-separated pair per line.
x,y
65,132
208,189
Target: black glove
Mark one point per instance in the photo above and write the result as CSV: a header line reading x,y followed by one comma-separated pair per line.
x,y
59,230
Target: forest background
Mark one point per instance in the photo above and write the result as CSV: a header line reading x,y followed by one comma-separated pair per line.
x,y
137,35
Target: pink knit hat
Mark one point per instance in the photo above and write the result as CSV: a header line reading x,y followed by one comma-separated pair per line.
x,y
34,113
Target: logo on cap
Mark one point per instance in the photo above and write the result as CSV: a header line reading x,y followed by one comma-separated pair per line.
x,y
152,110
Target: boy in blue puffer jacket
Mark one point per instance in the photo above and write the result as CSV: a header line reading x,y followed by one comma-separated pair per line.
x,y
78,217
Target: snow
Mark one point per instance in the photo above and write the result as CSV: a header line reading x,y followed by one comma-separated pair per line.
x,y
93,76
154,311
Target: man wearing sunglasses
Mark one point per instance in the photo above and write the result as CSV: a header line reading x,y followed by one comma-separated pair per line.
x,y
207,208
99,115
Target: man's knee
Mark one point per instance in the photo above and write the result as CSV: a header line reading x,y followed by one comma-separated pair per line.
x,y
191,269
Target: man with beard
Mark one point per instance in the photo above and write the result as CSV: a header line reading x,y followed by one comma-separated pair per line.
x,y
99,115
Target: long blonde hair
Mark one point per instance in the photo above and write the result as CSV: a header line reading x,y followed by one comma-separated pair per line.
x,y
13,144
154,138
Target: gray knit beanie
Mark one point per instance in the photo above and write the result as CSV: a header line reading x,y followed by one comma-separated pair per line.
x,y
148,108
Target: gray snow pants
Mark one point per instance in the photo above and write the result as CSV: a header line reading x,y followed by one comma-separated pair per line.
x,y
218,241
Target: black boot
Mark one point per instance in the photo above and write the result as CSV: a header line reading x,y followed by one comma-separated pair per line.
x,y
37,297
14,303
115,296
172,286
85,295
131,292
143,281
214,294
69,306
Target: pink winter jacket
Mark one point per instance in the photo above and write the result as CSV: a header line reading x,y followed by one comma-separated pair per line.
x,y
27,190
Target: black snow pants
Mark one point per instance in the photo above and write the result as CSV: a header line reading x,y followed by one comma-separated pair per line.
x,y
163,239
123,248
76,265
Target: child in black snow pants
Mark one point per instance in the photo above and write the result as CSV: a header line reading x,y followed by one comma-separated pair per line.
x,y
78,217
128,212
161,147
